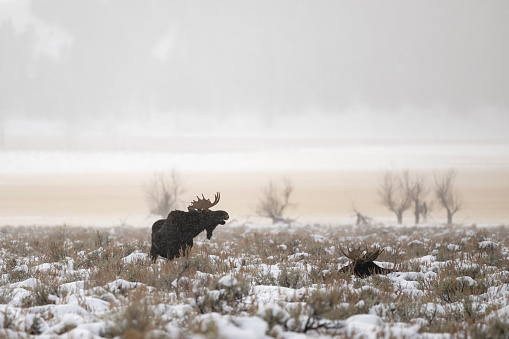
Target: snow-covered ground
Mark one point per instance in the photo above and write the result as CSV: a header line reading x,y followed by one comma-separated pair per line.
x,y
251,281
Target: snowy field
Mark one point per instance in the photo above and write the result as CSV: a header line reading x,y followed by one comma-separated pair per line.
x,y
254,281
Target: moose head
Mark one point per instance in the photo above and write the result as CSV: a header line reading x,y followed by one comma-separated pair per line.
x,y
214,218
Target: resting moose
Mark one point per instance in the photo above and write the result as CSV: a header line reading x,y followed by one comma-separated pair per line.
x,y
174,235
362,264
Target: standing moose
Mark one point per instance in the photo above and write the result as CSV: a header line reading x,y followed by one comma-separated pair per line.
x,y
173,236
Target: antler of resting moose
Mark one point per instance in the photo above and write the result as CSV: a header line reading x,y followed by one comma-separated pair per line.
x,y
362,264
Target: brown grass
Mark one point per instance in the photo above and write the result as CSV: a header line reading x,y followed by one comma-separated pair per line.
x,y
457,281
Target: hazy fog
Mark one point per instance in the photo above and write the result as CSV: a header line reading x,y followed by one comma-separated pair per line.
x,y
117,69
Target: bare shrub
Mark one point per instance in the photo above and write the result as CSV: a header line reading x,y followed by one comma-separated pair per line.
x,y
162,192
394,192
14,271
446,193
216,297
41,293
290,277
6,295
490,328
136,320
330,304
275,200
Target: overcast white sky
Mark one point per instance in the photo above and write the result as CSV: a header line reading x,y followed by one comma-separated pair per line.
x,y
370,69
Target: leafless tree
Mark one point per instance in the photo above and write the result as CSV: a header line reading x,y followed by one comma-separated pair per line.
x,y
162,192
394,192
446,193
418,189
275,200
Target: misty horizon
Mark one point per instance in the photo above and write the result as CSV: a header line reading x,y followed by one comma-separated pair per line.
x,y
391,70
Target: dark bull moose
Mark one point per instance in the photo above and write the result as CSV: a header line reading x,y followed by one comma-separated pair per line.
x,y
173,236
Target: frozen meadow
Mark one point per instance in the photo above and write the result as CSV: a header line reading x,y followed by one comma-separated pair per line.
x,y
254,281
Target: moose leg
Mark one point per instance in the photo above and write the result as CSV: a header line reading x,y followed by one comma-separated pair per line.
x,y
170,256
153,253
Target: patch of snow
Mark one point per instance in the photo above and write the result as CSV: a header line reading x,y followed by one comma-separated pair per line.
x,y
453,247
467,280
412,276
18,295
174,311
60,311
135,257
228,281
121,284
319,237
31,283
232,327
72,287
81,333
362,325
26,323
427,259
415,242
273,294
252,325
432,308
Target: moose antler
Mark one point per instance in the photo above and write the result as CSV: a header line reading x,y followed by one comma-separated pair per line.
x,y
357,254
204,204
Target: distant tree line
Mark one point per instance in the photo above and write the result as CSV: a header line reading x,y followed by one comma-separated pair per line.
x,y
403,190
399,191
